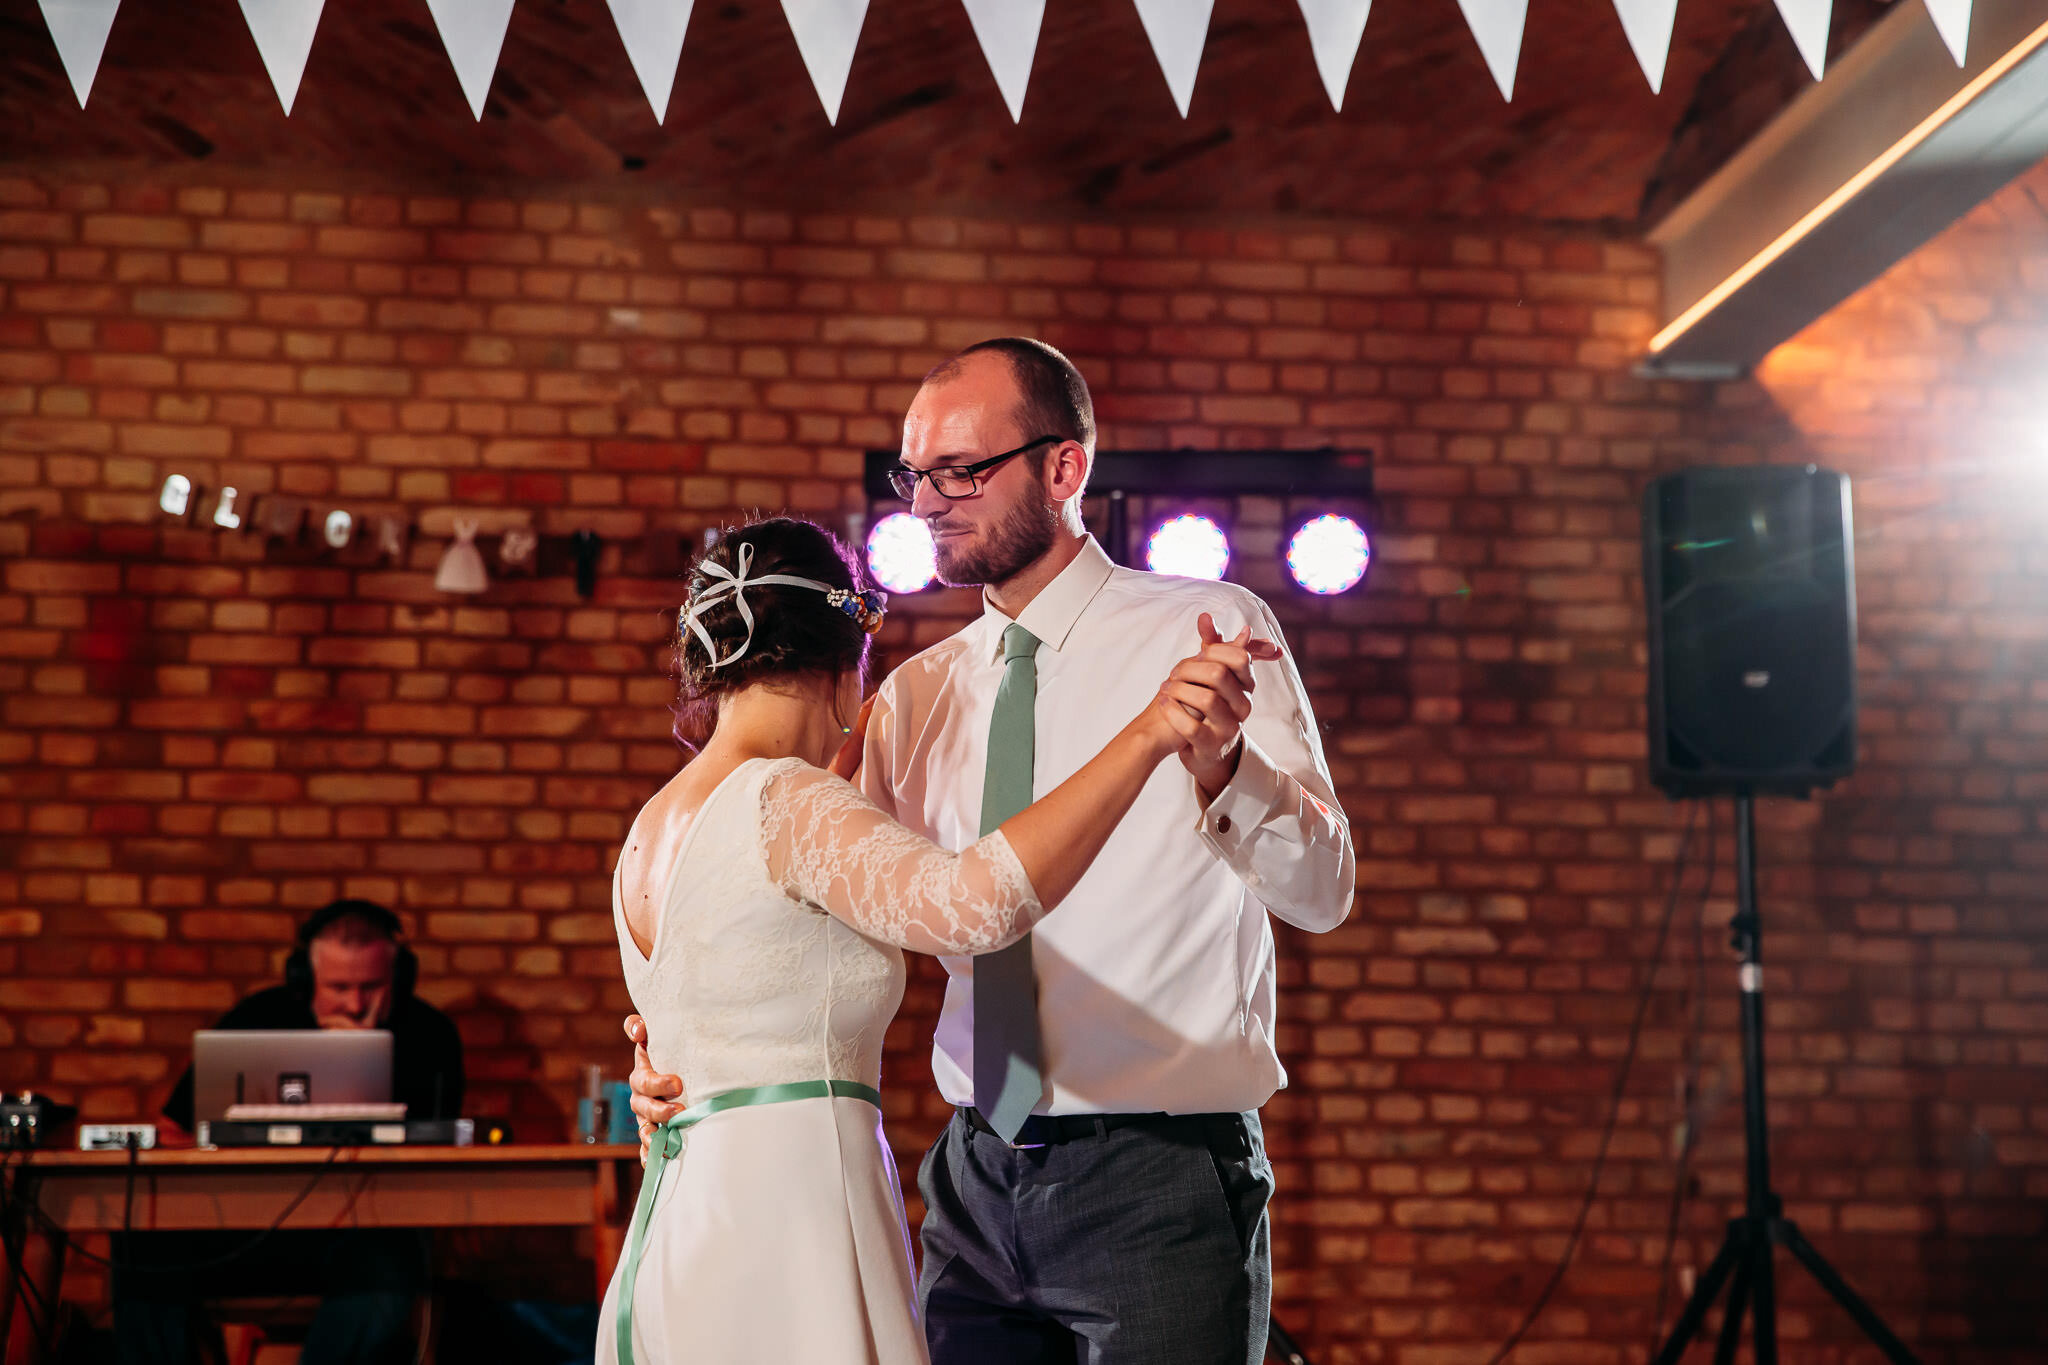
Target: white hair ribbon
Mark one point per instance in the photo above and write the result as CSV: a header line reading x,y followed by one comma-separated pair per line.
x,y
862,607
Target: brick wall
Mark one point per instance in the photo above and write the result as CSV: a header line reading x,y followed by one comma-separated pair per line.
x,y
207,734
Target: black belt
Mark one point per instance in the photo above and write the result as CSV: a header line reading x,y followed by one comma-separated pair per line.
x,y
1044,1130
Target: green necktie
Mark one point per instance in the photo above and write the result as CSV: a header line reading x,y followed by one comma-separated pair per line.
x,y
1007,1052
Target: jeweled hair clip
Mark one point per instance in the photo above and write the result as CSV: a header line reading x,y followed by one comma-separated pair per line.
x,y
866,608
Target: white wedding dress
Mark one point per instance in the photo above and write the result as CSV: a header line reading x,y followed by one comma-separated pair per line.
x,y
778,1235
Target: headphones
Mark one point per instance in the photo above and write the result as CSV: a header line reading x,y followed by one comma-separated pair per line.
x,y
405,967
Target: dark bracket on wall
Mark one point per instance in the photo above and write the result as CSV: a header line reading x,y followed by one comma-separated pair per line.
x,y
1325,473
1120,475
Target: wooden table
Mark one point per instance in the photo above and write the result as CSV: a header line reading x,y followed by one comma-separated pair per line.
x,y
567,1185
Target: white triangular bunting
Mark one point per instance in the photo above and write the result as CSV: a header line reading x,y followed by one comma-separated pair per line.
x,y
1648,26
1334,30
473,31
79,28
1178,29
1952,21
1497,24
1008,32
283,30
652,31
1808,21
826,32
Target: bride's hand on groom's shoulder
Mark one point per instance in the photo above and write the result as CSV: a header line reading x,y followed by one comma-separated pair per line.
x,y
846,762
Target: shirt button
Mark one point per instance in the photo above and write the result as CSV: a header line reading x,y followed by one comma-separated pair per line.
x,y
1223,824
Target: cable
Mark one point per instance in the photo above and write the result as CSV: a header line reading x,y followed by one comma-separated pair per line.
x,y
1695,1047
426,1325
212,1262
16,1252
16,1271
40,1311
1285,1346
128,1200
1635,1032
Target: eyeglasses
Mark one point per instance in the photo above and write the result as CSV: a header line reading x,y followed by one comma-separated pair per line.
x,y
955,480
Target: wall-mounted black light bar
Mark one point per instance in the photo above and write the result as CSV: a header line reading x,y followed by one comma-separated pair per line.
x,y
1325,473
1135,483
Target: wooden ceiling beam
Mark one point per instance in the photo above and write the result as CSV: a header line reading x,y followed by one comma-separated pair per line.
x,y
1896,144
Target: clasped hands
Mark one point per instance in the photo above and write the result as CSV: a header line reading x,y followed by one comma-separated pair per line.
x,y
1207,698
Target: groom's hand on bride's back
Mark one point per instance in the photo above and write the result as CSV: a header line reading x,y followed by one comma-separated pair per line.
x,y
655,1096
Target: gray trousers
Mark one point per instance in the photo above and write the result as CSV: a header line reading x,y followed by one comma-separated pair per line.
x,y
1139,1245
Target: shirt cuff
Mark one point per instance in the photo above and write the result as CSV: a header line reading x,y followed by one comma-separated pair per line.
x,y
1247,801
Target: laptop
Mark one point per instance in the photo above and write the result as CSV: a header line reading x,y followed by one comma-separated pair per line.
x,y
318,1067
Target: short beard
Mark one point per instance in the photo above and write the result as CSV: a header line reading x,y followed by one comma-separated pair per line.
x,y
1011,546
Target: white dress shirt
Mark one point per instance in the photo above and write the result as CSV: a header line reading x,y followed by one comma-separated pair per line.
x,y
1155,975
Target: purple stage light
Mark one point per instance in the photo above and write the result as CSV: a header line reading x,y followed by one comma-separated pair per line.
x,y
1190,547
900,553
1329,554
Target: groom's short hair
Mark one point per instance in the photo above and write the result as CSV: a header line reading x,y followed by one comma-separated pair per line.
x,y
1053,397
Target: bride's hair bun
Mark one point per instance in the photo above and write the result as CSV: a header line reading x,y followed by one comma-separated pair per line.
x,y
796,630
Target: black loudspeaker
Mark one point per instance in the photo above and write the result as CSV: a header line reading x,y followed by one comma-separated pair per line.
x,y
1749,585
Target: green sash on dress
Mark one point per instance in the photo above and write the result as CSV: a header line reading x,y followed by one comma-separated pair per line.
x,y
668,1144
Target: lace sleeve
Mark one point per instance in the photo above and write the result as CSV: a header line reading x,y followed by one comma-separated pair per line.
x,y
831,847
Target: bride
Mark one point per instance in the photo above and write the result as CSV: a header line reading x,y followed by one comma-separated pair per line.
x,y
762,906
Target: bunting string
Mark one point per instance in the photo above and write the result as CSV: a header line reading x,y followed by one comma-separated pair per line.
x,y
827,32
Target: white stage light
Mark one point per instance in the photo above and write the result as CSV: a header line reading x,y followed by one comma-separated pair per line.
x,y
1329,554
1190,547
900,553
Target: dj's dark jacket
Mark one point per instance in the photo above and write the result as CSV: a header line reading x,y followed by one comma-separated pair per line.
x,y
426,1052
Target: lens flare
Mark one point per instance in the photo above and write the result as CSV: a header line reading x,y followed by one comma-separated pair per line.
x,y
1190,547
1329,554
900,553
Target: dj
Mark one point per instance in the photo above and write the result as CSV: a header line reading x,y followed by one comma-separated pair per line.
x,y
348,970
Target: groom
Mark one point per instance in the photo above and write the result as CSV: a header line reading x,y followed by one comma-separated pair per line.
x,y
1101,1191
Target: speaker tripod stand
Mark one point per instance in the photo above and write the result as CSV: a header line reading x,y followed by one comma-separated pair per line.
x,y
1744,1262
